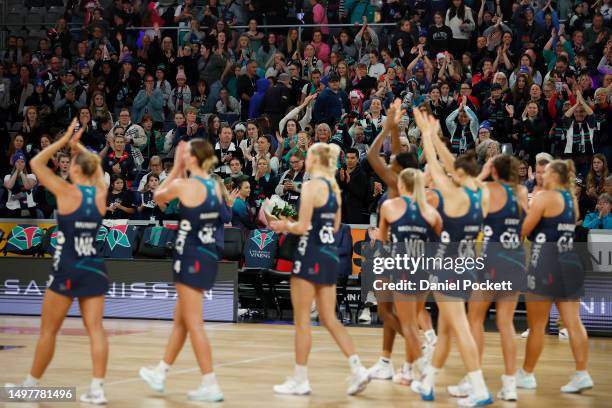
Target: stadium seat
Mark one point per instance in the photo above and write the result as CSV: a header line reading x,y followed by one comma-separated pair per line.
x,y
35,3
53,14
233,243
35,17
16,15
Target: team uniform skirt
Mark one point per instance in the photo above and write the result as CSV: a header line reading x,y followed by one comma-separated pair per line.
x,y
319,265
198,268
77,278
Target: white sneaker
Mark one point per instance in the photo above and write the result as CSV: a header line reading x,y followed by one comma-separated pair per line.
x,y
525,380
525,334
381,371
563,334
461,390
358,381
419,388
403,376
154,379
508,391
94,397
370,299
211,393
365,316
242,312
578,383
292,387
475,401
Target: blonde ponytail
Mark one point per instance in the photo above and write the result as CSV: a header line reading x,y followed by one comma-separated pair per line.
x,y
566,170
327,154
414,181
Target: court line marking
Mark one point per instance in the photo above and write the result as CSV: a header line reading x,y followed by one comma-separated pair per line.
x,y
193,369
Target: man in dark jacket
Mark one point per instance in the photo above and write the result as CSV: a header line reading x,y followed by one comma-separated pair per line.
x,y
276,100
331,104
354,184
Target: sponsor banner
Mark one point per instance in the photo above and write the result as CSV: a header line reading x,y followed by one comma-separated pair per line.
x,y
139,289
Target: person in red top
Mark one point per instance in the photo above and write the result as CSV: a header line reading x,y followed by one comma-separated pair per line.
x,y
319,16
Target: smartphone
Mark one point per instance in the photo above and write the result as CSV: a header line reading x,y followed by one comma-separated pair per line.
x,y
300,16
559,86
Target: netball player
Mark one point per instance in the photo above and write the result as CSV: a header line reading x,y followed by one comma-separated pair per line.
x,y
464,204
409,221
555,274
315,269
78,270
383,369
505,261
194,262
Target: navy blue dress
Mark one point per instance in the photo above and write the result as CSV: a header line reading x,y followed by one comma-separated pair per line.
x,y
410,235
78,268
457,242
502,246
317,259
555,270
195,250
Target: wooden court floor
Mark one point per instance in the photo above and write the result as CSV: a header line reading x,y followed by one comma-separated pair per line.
x,y
250,358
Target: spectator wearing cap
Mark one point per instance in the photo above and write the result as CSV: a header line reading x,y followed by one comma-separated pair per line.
x,y
20,184
331,104
601,218
180,98
149,101
69,98
362,81
276,100
162,84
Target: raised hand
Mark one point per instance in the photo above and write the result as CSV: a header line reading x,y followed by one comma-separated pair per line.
x,y
69,132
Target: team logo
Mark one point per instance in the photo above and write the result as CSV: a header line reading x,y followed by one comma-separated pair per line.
x,y
24,238
53,242
102,233
117,236
262,238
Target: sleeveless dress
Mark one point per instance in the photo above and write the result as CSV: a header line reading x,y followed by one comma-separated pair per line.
x,y
78,268
502,246
457,243
317,259
409,236
195,252
555,270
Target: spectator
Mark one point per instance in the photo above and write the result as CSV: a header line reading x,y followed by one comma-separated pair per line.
x,y
319,16
98,108
246,88
150,101
354,184
256,100
460,20
228,106
462,125
357,11
20,184
331,104
532,128
180,98
155,169
243,214
344,45
322,50
190,129
263,182
439,36
601,217
366,42
148,208
213,128
265,54
116,160
579,131
276,100
596,178
290,182
226,151
119,203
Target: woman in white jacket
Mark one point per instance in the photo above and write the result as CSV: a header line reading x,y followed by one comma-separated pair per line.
x,y
461,21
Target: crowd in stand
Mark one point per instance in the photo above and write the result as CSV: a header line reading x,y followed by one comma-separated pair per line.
x,y
531,78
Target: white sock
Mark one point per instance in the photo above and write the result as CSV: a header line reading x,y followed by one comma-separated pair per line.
x,y
354,362
429,382
478,384
384,360
96,384
30,381
300,373
162,367
511,379
209,380
420,364
430,336
584,372
524,373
